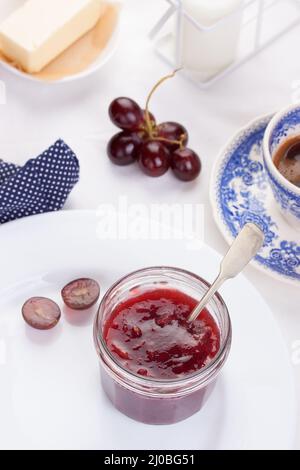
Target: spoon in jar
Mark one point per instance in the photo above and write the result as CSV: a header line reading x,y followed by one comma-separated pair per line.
x,y
246,245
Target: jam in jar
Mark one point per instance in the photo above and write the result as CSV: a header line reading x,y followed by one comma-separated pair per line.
x,y
156,367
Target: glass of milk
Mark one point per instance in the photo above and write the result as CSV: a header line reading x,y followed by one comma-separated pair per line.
x,y
210,33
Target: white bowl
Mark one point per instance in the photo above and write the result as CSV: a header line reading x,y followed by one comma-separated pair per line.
x,y
102,59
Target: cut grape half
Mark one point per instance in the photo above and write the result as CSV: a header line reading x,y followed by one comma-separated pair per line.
x,y
81,294
41,313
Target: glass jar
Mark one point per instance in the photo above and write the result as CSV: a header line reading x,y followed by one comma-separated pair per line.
x,y
149,400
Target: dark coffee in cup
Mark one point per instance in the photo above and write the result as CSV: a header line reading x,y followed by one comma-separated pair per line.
x,y
287,160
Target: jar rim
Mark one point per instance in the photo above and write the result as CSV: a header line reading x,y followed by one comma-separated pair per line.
x,y
206,373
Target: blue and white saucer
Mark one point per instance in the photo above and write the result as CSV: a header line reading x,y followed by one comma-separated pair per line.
x,y
240,193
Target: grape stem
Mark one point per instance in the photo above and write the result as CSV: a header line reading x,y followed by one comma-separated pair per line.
x,y
150,128
175,142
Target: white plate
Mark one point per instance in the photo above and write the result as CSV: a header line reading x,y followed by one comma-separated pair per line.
x,y
50,393
7,6
240,193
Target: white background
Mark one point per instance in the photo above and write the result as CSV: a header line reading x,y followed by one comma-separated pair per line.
x,y
35,115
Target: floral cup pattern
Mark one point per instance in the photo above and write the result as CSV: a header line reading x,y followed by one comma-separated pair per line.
x,y
283,126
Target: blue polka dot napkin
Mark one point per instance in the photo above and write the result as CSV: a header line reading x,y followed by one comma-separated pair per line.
x,y
41,185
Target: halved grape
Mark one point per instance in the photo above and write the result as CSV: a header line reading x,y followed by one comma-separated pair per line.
x,y
41,313
81,294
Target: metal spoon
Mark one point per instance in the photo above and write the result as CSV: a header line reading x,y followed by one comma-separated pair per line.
x,y
246,245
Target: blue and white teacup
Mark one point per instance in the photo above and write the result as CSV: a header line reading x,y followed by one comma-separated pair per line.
x,y
283,126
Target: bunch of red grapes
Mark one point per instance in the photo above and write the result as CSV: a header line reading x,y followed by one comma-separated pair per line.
x,y
156,147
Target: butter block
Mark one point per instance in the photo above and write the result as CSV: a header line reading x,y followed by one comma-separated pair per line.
x,y
35,34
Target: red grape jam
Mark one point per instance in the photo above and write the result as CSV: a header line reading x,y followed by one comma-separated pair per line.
x,y
156,367
149,335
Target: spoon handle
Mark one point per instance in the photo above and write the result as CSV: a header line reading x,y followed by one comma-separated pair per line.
x,y
206,298
246,245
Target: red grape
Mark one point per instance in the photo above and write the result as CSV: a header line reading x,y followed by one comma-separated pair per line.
x,y
81,294
126,114
123,148
186,164
172,131
154,158
155,147
152,118
41,313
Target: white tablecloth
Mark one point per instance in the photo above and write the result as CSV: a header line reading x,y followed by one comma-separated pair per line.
x,y
37,114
